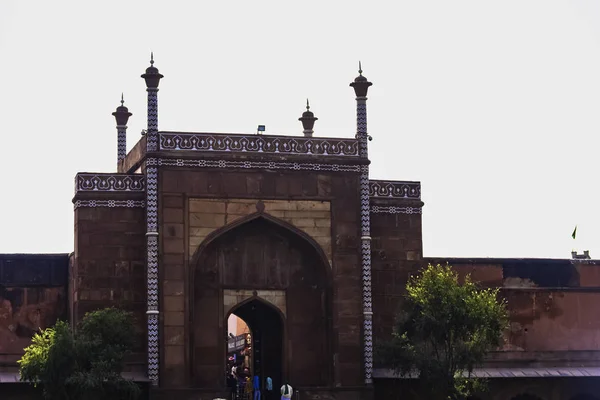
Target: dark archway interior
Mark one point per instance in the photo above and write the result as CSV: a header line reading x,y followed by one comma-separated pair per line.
x,y
266,329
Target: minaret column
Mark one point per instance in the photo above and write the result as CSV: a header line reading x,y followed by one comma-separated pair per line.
x,y
361,86
122,116
152,78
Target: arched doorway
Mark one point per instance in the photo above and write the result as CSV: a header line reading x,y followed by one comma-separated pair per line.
x,y
260,254
266,325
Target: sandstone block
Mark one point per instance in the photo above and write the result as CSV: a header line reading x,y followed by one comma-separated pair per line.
x,y
174,335
302,222
200,232
202,220
173,303
172,201
171,245
314,205
207,206
172,215
174,318
174,355
174,287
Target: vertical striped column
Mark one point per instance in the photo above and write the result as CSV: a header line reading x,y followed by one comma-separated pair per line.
x,y
152,236
121,115
121,142
365,221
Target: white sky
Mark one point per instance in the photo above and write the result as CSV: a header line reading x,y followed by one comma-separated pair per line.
x,y
492,105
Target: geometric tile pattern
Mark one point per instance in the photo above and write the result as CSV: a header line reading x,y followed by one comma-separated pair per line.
x,y
365,219
294,166
121,142
258,144
109,204
152,266
152,131
395,210
85,182
400,190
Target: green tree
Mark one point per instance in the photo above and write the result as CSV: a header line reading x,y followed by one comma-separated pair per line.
x,y
444,330
85,364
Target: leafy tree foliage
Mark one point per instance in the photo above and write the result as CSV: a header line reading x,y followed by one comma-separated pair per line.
x,y
443,331
85,364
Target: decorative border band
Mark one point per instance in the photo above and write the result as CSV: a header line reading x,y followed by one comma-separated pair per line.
x,y
395,210
294,166
258,144
398,189
109,183
109,204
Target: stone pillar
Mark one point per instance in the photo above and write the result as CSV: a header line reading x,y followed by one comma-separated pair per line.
x,y
152,77
361,86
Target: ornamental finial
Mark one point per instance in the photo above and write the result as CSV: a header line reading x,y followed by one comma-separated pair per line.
x,y
360,84
122,101
308,120
151,58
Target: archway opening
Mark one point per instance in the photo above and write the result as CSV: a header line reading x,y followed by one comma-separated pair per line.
x,y
263,255
262,355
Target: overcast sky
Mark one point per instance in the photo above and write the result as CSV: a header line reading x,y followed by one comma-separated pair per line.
x,y
493,105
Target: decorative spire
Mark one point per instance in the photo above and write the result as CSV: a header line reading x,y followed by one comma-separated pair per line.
x,y
308,121
152,76
122,114
360,84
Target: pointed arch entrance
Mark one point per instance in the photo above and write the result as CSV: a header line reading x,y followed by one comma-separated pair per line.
x,y
261,254
267,337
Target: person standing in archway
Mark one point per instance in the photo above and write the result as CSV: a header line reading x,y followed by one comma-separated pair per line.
x,y
286,392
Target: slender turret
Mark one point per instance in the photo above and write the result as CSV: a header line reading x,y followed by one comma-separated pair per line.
x,y
122,116
361,86
152,78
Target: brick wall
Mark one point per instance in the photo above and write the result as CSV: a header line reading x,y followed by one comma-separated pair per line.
x,y
109,263
396,255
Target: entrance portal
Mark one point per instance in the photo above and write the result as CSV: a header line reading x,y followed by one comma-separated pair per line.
x,y
266,343
262,254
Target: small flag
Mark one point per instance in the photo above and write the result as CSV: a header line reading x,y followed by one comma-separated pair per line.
x,y
574,232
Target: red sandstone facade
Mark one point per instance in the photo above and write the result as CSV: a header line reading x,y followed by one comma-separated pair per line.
x,y
289,234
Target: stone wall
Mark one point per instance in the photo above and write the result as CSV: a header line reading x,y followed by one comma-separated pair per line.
x,y
33,296
396,255
195,202
109,263
310,216
548,303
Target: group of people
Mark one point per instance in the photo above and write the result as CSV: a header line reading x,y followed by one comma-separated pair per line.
x,y
245,386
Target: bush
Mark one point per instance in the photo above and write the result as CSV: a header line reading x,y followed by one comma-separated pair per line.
x,y
85,364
